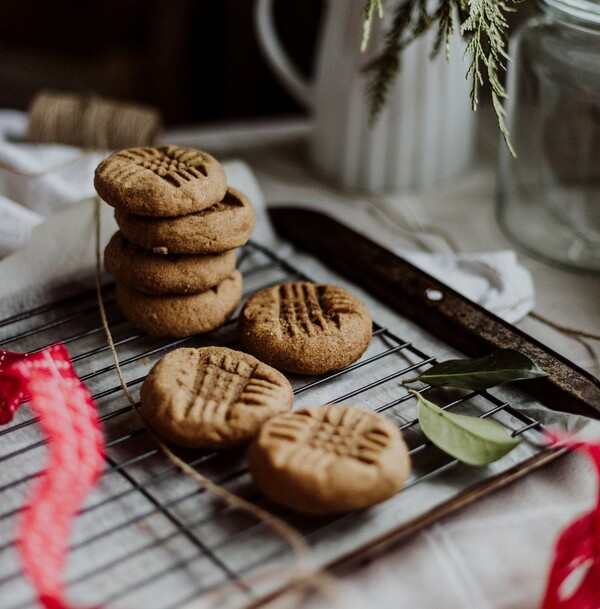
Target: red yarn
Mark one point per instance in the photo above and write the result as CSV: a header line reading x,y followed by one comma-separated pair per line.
x,y
69,421
578,548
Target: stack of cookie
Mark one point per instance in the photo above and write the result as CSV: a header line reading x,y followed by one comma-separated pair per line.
x,y
173,257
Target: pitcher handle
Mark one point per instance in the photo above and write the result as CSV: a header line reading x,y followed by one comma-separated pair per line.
x,y
283,67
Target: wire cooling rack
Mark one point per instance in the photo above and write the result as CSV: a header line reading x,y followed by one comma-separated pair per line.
x,y
150,537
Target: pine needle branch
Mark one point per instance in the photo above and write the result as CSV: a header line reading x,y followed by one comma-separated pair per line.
x,y
483,26
485,32
410,21
444,15
371,7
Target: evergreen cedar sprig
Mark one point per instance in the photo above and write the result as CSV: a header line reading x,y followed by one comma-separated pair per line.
x,y
485,33
368,13
483,26
410,20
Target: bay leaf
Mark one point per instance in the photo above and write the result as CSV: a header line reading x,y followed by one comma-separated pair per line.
x,y
469,439
502,366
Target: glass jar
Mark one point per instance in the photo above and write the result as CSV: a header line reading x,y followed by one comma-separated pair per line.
x,y
549,195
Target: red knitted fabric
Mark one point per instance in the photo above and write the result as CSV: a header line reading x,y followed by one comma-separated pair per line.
x,y
577,552
69,421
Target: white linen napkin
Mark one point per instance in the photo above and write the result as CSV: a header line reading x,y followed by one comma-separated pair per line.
x,y
16,224
495,280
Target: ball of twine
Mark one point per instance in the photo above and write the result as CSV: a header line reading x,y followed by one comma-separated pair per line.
x,y
90,121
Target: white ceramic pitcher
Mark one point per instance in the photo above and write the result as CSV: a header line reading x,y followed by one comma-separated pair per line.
x,y
424,135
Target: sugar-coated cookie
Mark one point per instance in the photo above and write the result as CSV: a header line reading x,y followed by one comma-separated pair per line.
x,y
212,397
163,181
329,459
305,328
225,225
177,315
145,271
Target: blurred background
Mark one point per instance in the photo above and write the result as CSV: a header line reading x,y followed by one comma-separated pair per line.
x,y
196,60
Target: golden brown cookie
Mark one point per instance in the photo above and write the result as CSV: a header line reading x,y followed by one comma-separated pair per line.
x,y
164,181
224,226
329,459
212,397
305,328
152,273
178,315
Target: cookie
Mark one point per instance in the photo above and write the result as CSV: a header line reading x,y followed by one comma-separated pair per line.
x,y
165,181
226,225
152,273
177,315
330,459
305,328
212,397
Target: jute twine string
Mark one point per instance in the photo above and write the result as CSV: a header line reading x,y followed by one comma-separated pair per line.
x,y
89,122
302,575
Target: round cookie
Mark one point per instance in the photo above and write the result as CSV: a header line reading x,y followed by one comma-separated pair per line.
x,y
212,397
152,273
329,459
177,315
226,225
305,328
164,181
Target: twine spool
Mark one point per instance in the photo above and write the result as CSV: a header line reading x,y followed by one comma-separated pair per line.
x,y
90,121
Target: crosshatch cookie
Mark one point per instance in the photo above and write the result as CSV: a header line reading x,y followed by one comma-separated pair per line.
x,y
329,459
305,328
212,397
145,271
226,225
178,315
164,181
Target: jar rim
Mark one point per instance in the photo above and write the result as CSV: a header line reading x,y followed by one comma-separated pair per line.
x,y
585,11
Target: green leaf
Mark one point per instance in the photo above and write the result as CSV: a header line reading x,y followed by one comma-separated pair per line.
x,y
502,366
471,440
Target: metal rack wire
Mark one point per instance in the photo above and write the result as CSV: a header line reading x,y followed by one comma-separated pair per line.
x,y
150,537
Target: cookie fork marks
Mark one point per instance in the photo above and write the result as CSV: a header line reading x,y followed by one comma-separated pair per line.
x,y
173,165
195,389
300,309
212,397
167,181
308,308
325,460
335,430
219,382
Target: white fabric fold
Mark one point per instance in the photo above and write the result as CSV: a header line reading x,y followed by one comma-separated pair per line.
x,y
494,280
42,177
16,224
